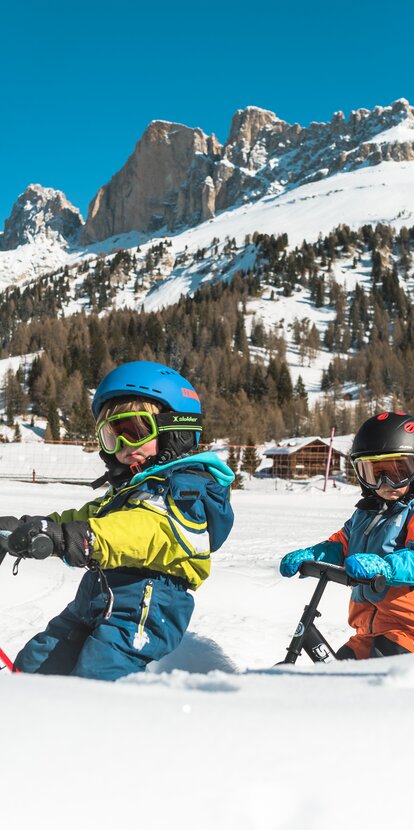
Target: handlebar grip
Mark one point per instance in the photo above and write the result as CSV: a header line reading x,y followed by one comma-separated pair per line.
x,y
334,573
316,569
378,583
23,542
41,546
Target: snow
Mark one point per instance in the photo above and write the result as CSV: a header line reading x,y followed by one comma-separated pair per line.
x,y
14,363
27,262
381,193
400,133
212,736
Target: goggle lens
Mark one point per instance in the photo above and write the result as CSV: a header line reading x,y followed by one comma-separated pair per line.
x,y
397,471
130,428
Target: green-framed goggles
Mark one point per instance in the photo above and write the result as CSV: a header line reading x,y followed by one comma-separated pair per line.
x,y
138,427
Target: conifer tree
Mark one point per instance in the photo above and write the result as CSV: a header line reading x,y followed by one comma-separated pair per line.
x,y
233,463
250,458
81,424
284,386
53,428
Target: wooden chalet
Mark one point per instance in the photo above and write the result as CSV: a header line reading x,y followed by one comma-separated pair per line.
x,y
306,457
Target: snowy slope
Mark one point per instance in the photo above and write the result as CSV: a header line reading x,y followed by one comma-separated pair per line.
x,y
382,193
211,737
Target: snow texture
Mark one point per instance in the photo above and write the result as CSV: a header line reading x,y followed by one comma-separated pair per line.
x,y
213,736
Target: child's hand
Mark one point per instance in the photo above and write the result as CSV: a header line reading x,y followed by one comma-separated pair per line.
x,y
71,541
291,563
368,565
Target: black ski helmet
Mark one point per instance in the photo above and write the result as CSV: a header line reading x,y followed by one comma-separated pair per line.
x,y
384,434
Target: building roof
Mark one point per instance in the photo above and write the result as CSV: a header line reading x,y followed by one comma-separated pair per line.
x,y
341,444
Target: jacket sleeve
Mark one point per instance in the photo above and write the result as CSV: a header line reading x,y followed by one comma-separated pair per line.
x,y
219,513
203,499
402,560
329,551
342,536
72,515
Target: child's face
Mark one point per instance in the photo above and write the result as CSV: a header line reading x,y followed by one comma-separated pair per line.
x,y
389,494
131,455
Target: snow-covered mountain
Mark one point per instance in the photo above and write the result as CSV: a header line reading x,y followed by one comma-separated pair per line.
x,y
269,177
40,212
178,176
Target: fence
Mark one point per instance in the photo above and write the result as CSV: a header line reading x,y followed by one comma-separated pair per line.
x,y
38,461
79,462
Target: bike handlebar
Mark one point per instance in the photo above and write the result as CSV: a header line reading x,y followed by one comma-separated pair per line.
x,y
38,545
334,573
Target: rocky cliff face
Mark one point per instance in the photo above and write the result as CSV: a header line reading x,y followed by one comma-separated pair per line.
x,y
179,176
160,185
40,211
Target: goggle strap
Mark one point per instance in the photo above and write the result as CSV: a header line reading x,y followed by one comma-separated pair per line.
x,y
384,457
168,421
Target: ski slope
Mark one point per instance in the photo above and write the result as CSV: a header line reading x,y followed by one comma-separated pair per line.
x,y
381,193
212,736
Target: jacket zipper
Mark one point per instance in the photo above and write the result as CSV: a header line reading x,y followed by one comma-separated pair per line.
x,y
141,637
371,622
367,532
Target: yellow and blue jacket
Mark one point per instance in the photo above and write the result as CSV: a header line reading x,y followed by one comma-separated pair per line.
x,y
167,519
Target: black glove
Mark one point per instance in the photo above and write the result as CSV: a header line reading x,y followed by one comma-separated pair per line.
x,y
38,537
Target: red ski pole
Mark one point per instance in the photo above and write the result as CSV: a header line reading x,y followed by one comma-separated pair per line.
x,y
7,662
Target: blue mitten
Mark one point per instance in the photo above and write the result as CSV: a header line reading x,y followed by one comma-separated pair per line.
x,y
368,565
291,563
324,551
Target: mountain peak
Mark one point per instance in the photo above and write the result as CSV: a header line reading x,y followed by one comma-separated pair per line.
x,y
247,123
40,211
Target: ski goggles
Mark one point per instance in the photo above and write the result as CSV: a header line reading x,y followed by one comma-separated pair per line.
x,y
130,428
134,429
396,470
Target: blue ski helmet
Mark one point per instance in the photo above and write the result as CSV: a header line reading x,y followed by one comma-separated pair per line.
x,y
147,380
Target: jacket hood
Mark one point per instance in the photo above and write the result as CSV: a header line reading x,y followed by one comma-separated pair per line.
x,y
209,460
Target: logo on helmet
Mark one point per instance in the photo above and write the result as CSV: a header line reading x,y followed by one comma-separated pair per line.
x,y
409,427
383,416
189,393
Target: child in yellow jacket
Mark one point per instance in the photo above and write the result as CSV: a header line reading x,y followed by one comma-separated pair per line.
x,y
145,544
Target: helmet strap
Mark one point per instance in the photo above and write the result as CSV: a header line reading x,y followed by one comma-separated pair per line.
x,y
176,434
175,444
116,474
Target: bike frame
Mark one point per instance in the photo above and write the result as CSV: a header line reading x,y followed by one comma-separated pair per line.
x,y
7,662
307,637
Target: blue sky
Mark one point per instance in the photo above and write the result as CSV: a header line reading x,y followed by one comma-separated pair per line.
x,y
82,79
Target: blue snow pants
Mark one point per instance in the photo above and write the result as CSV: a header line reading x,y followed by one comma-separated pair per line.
x,y
150,615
